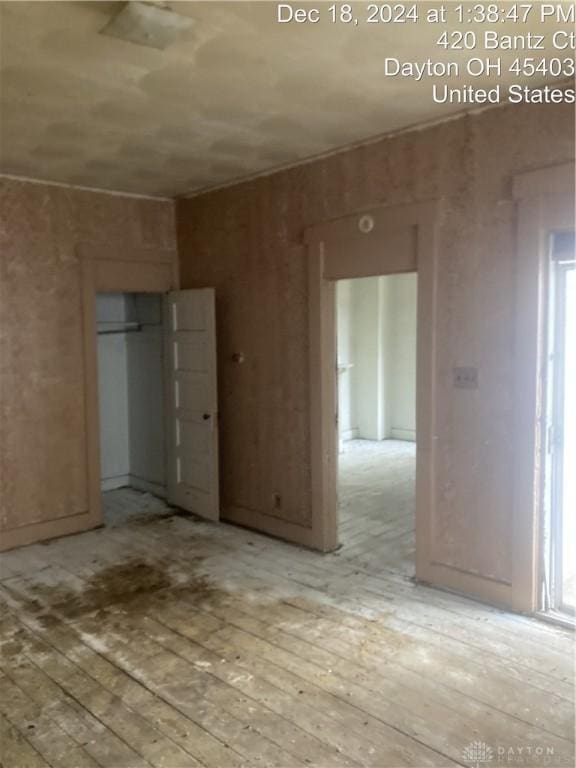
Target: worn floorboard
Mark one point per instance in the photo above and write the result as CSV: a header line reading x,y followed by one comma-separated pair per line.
x,y
164,641
376,489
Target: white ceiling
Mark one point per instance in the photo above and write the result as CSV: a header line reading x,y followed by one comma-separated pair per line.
x,y
235,95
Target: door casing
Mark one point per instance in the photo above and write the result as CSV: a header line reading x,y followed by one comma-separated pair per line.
x,y
370,243
109,276
555,423
545,204
376,242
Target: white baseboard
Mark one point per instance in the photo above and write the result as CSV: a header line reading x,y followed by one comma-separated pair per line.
x,y
156,489
113,483
403,434
349,434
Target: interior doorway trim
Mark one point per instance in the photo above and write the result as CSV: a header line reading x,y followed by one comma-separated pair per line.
x,y
129,275
380,241
124,269
545,202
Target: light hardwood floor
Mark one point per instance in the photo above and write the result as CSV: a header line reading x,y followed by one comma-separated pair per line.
x,y
169,642
126,505
376,490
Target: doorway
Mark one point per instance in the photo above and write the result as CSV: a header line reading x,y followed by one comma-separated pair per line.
x,y
383,241
153,415
559,535
376,378
131,366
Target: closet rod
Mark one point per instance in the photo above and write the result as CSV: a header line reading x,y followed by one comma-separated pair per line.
x,y
110,333
131,328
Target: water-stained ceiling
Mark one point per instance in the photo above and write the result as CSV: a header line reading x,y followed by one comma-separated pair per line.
x,y
235,94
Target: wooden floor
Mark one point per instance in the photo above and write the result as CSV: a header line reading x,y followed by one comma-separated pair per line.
x,y
125,505
376,490
167,642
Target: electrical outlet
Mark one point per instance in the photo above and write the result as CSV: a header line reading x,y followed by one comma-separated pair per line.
x,y
465,378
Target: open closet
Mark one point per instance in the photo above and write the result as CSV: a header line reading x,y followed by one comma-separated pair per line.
x,y
157,403
131,392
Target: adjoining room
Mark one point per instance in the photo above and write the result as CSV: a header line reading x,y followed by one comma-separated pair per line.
x,y
377,332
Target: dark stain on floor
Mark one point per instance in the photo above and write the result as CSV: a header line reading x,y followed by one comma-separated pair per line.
x,y
138,586
123,584
119,584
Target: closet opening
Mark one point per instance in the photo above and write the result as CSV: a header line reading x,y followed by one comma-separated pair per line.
x,y
132,405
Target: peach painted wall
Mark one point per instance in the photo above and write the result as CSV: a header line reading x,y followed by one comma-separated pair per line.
x,y
247,242
43,453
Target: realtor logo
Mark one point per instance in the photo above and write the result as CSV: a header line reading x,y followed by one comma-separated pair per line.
x,y
478,753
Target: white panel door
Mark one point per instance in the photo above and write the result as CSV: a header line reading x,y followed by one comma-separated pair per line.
x,y
193,404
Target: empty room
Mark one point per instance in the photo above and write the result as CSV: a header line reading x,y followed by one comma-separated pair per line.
x,y
376,374
287,375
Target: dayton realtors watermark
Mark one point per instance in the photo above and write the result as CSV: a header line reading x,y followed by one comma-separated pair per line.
x,y
479,753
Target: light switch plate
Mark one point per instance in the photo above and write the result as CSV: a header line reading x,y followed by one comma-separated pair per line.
x,y
465,378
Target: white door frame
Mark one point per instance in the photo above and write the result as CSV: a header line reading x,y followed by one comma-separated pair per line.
x,y
377,242
545,201
556,418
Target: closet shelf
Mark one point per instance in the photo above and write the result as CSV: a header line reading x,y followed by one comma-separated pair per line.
x,y
118,327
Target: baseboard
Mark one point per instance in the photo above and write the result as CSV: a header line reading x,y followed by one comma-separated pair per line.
x,y
139,484
349,434
403,434
272,526
51,529
113,483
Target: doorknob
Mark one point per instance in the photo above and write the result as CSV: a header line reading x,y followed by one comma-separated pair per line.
x,y
206,416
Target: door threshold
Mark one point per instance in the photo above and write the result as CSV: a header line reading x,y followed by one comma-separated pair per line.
x,y
557,617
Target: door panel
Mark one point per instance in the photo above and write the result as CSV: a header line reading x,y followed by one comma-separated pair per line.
x,y
192,408
192,355
194,472
194,439
192,391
